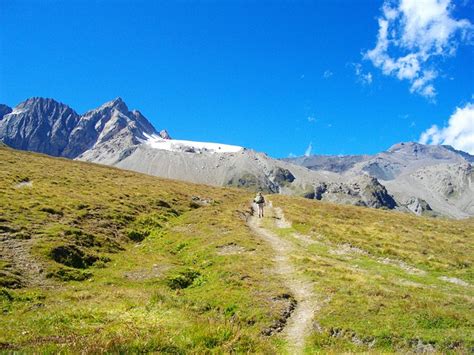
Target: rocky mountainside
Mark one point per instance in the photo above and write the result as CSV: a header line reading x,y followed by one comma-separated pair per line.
x,y
114,135
334,163
4,109
399,159
40,125
110,128
423,179
225,165
47,126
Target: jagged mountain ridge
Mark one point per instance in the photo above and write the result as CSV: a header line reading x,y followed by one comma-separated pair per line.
x,y
399,159
114,135
40,125
47,126
421,178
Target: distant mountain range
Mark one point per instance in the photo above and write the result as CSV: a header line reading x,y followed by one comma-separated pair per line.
x,y
422,179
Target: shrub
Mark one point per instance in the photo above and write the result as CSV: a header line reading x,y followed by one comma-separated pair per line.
x,y
71,255
51,210
138,236
68,274
183,279
10,280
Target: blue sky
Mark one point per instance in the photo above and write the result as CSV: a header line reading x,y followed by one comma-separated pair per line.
x,y
274,76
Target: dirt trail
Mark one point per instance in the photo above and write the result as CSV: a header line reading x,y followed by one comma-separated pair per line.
x,y
17,254
299,325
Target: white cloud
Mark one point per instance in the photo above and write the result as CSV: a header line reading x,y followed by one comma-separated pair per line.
x,y
362,77
367,78
327,74
311,119
308,151
459,132
422,84
412,34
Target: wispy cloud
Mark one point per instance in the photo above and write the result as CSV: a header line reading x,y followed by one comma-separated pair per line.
x,y
309,150
327,74
412,35
459,132
311,119
362,76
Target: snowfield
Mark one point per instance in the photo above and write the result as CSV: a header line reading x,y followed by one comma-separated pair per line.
x,y
176,145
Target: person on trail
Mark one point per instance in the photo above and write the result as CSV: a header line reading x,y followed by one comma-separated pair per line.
x,y
260,202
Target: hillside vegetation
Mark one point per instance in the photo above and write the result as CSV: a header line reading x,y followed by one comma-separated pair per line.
x,y
385,279
96,258
99,259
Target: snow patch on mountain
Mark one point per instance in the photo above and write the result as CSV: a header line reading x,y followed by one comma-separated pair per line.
x,y
176,145
17,111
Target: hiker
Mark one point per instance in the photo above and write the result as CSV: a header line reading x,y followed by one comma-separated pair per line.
x,y
260,201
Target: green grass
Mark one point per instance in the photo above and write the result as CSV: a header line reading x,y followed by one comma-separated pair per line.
x,y
368,300
145,251
98,259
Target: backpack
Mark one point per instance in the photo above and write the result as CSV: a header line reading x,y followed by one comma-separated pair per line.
x,y
259,199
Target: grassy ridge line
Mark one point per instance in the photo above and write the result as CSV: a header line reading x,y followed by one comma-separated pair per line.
x,y
382,273
148,252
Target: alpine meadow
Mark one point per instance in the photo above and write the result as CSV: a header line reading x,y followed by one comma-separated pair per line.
x,y
146,264
237,177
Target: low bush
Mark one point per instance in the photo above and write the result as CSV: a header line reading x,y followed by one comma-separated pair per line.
x,y
69,274
183,279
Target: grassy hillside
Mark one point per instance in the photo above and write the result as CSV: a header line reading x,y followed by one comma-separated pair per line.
x,y
387,280
96,258
99,259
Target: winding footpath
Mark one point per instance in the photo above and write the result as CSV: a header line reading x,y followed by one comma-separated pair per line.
x,y
300,323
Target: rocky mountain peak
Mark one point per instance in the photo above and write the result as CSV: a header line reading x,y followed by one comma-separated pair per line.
x,y
418,150
4,110
111,125
40,103
116,103
47,126
39,124
406,146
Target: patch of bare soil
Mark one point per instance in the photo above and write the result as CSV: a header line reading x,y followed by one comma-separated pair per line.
x,y
230,249
155,271
21,267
